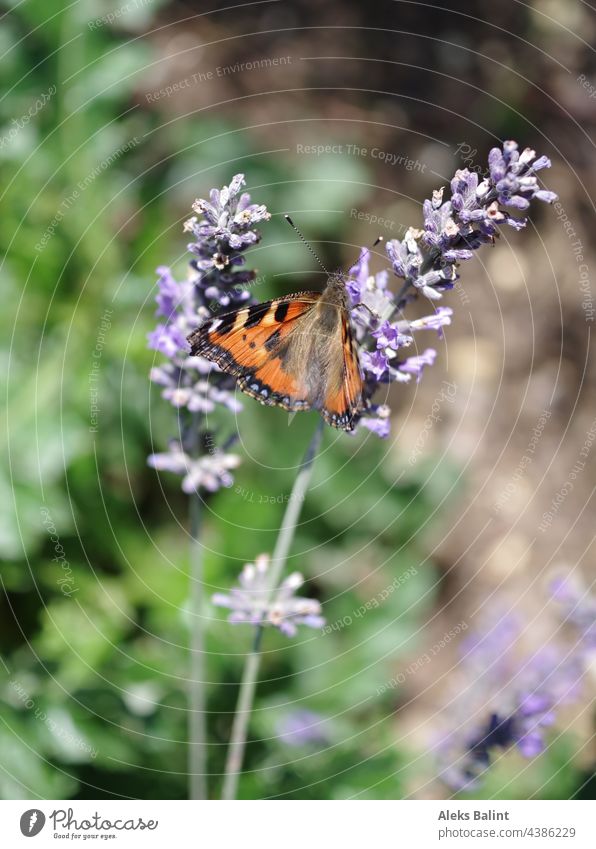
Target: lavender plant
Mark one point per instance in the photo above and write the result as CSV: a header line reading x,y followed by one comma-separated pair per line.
x,y
217,279
249,602
425,263
426,260
508,697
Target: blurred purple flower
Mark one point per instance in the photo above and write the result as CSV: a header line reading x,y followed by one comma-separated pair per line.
x,y
579,607
375,364
388,336
252,601
358,276
223,229
437,321
377,420
168,340
169,294
302,727
210,471
415,365
507,698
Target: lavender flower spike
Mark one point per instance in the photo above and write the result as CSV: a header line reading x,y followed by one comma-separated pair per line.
x,y
455,228
302,727
426,261
211,471
249,602
223,229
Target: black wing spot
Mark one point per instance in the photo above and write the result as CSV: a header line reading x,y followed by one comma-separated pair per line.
x,y
255,313
281,311
227,322
272,341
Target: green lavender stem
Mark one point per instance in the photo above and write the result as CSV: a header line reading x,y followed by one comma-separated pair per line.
x,y
197,737
248,684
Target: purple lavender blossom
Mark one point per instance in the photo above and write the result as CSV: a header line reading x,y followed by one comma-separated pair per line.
x,y
375,364
507,698
388,336
210,471
377,420
302,728
514,176
223,228
579,607
437,321
251,602
415,365
426,261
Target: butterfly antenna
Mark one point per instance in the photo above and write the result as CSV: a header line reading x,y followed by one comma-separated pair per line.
x,y
293,226
373,314
377,241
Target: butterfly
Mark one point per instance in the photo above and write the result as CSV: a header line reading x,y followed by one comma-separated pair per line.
x,y
297,352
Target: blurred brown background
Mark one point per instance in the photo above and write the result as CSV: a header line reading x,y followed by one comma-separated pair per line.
x,y
401,94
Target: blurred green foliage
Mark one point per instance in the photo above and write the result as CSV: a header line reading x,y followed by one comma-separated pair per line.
x,y
93,702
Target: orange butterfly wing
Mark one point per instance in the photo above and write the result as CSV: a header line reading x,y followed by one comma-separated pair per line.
x,y
342,405
250,342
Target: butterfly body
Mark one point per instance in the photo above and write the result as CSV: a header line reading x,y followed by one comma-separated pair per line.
x,y
295,352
